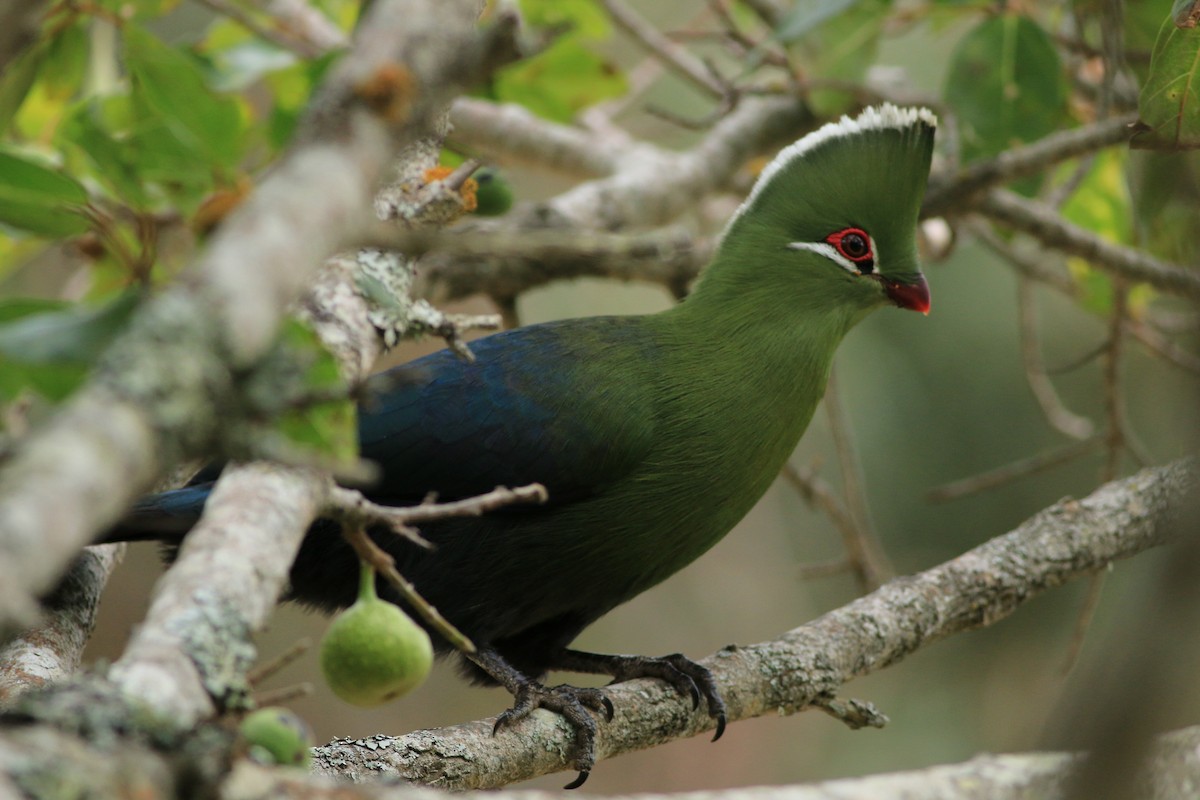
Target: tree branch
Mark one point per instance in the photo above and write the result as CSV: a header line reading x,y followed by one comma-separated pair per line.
x,y
510,133
164,390
1066,541
54,648
1172,762
1044,224
678,59
948,193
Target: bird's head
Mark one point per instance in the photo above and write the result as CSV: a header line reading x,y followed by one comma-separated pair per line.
x,y
832,220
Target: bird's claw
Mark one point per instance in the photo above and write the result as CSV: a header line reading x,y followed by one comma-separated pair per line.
x,y
686,676
572,704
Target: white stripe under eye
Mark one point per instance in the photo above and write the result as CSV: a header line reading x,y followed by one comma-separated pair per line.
x,y
829,251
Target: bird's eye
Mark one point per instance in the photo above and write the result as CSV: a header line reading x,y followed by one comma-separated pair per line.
x,y
855,245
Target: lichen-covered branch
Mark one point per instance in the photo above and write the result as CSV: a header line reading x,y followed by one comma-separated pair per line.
x,y
165,389
645,187
53,649
1066,541
640,185
190,655
509,133
1172,763
804,666
506,263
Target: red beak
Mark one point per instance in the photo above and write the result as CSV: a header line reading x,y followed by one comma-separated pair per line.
x,y
912,294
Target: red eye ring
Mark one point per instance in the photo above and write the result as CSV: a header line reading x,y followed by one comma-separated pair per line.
x,y
853,244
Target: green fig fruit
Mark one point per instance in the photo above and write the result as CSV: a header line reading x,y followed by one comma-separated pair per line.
x,y
276,735
372,651
493,194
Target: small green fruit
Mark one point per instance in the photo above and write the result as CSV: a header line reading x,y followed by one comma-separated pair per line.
x,y
277,736
493,195
372,651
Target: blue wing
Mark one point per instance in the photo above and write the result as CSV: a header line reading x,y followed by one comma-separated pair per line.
x,y
552,403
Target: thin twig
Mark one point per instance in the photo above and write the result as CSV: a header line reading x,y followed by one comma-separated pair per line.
x,y
1087,613
279,662
1043,223
385,565
676,58
875,565
276,34
767,50
1114,407
825,569
1161,346
1026,264
351,506
819,494
356,513
1013,471
1037,269
1055,411
1114,442
949,192
286,694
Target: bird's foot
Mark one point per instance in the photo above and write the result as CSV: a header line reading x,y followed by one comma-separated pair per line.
x,y
572,704
686,676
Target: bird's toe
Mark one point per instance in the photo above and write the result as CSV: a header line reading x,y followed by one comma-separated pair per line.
x,y
572,704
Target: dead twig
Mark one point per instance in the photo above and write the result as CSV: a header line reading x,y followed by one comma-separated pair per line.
x,y
1011,472
356,513
279,662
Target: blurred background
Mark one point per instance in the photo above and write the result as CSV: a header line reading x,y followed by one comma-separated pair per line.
x,y
929,400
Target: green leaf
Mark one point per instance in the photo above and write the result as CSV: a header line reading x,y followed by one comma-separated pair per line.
x,y
1006,84
243,58
115,159
582,17
1169,104
138,9
1166,203
841,44
66,61
52,381
806,16
293,88
326,426
17,79
560,81
568,75
38,199
17,307
173,86
1101,202
48,346
75,334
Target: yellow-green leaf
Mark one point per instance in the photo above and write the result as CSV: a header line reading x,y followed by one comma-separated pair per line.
x,y
173,86
38,199
1169,104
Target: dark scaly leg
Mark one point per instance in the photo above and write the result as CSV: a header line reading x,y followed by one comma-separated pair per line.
x,y
688,677
571,702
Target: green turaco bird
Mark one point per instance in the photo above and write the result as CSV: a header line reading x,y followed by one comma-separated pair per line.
x,y
654,435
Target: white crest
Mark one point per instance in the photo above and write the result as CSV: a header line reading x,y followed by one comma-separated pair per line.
x,y
873,118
